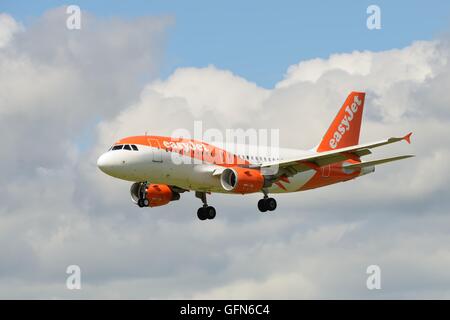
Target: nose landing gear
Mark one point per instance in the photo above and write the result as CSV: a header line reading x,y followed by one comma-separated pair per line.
x,y
205,212
141,193
143,203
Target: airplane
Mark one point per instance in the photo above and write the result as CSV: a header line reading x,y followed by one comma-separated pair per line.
x,y
161,168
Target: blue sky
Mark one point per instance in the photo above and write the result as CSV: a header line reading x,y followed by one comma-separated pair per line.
x,y
260,39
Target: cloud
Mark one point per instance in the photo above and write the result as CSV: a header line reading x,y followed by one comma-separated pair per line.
x,y
66,96
413,63
8,27
57,83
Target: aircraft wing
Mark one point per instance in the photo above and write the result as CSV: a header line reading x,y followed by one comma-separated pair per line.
x,y
291,167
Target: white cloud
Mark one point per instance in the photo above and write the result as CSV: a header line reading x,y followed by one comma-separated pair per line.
x,y
8,27
281,286
413,63
56,84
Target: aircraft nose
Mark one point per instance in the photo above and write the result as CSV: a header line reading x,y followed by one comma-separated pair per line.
x,y
112,163
101,162
105,163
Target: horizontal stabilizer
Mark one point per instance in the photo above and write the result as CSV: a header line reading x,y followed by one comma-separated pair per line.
x,y
376,162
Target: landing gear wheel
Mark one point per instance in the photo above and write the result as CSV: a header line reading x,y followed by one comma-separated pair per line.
x,y
205,212
140,203
210,212
201,213
262,205
145,202
271,204
267,204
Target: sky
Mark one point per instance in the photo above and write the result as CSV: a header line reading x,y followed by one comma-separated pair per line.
x,y
67,95
258,40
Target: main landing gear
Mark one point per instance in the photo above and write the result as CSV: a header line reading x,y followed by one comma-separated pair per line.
x,y
267,204
205,212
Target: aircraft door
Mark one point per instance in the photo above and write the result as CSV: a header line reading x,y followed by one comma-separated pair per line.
x,y
157,155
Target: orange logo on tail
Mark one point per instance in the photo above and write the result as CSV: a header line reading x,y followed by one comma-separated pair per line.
x,y
345,122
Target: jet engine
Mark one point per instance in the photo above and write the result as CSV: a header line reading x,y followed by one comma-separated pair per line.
x,y
152,195
241,180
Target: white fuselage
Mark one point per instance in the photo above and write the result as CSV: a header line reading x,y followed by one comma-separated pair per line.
x,y
160,166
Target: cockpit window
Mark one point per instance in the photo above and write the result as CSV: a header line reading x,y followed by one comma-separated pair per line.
x,y
124,147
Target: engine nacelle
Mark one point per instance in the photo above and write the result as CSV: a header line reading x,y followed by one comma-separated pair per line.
x,y
241,180
157,194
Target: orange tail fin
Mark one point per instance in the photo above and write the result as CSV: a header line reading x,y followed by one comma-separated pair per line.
x,y
344,130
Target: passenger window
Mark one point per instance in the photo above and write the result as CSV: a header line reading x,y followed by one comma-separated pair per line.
x,y
118,147
127,147
135,148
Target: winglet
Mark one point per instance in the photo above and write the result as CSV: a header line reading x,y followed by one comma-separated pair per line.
x,y
407,138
